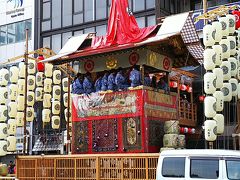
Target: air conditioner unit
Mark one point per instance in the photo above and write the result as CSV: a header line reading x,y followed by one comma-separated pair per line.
x,y
57,76
14,71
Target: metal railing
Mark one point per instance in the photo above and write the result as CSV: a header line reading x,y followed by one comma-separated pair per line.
x,y
91,166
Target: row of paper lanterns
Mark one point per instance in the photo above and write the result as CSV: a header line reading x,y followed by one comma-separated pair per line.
x,y
222,68
182,87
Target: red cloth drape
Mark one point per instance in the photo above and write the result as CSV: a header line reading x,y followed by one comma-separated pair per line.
x,y
122,27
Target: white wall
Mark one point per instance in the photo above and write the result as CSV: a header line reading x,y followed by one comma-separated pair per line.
x,y
10,14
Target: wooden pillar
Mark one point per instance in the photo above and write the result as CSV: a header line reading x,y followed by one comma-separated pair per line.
x,y
192,110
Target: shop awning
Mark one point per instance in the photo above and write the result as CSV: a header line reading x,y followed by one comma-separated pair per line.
x,y
182,25
71,46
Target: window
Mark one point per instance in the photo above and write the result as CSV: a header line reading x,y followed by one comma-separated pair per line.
x,y
101,9
204,168
89,30
3,35
141,22
46,25
151,20
56,14
76,33
173,167
65,37
78,6
150,4
56,43
233,169
46,10
67,13
47,42
138,5
11,35
88,10
28,25
101,30
20,31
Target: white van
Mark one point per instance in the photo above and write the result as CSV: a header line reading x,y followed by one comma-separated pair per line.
x,y
199,164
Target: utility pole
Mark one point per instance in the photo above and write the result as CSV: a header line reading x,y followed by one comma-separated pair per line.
x,y
25,97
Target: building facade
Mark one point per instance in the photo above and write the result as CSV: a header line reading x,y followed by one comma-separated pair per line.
x,y
16,16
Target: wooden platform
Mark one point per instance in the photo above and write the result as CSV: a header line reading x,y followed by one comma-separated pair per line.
x,y
92,166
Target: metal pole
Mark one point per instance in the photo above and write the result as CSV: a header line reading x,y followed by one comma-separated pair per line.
x,y
25,97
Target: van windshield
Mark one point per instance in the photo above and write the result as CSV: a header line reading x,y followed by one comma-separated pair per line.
x,y
233,169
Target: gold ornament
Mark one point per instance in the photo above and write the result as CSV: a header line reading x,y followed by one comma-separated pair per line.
x,y
111,63
152,59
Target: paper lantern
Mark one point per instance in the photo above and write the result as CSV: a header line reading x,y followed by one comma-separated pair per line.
x,y
201,98
56,107
210,106
14,71
3,95
46,115
218,28
210,130
173,84
65,99
225,48
47,100
238,90
39,94
65,84
12,109
48,70
183,87
218,51
231,25
181,141
13,92
208,35
219,100
31,82
39,79
20,119
22,68
209,57
234,84
170,140
3,130
12,143
189,89
21,86
3,148
219,77
30,114
225,25
40,65
171,127
12,127
57,76
30,98
55,122
3,113
238,73
20,103
219,118
234,66
47,85
4,77
232,40
56,92
226,67
227,92
66,115
31,66
209,83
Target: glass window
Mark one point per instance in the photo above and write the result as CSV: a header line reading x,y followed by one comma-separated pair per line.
x,y
28,25
56,43
65,37
11,33
89,30
56,14
173,167
130,4
78,18
88,10
204,168
138,5
20,31
78,6
47,42
150,4
67,13
151,20
3,35
141,22
46,10
101,30
101,9
46,25
78,32
233,169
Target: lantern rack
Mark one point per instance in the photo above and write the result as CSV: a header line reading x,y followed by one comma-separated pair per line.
x,y
213,14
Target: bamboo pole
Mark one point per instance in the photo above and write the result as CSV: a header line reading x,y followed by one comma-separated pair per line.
x,y
25,97
205,9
